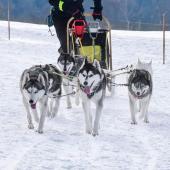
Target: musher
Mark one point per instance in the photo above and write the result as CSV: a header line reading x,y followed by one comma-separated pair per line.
x,y
63,10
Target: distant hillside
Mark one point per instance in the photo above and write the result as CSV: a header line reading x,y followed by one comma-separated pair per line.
x,y
118,11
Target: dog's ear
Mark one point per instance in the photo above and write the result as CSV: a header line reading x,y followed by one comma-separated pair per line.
x,y
139,62
147,76
97,65
73,57
41,79
25,79
135,73
150,63
83,63
59,58
86,60
72,53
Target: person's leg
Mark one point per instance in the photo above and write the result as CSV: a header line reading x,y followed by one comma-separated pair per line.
x,y
60,24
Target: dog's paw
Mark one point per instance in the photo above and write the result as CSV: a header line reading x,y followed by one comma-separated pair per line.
x,y
88,131
146,121
95,134
48,114
30,126
53,115
39,131
133,123
69,107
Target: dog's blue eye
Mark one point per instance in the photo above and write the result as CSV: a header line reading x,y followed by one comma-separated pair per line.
x,y
90,75
84,75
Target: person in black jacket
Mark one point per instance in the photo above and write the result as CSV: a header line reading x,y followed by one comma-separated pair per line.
x,y
63,10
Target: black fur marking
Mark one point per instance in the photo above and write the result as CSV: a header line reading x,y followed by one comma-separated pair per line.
x,y
140,77
54,74
89,67
34,83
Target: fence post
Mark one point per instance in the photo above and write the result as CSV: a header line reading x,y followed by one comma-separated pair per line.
x,y
9,29
128,25
139,25
164,29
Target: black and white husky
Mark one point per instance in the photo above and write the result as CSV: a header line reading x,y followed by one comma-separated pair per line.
x,y
140,90
37,85
69,66
92,82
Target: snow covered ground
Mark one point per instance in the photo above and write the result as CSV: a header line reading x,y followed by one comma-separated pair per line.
x,y
64,144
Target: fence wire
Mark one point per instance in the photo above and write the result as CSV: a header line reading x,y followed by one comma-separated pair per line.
x,y
138,26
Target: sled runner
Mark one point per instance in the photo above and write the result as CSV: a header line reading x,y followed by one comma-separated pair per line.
x,y
91,39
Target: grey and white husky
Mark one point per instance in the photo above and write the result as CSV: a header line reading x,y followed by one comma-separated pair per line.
x,y
69,66
92,82
37,85
140,90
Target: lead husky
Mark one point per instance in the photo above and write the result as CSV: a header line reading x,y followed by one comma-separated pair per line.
x,y
69,66
140,90
93,88
37,84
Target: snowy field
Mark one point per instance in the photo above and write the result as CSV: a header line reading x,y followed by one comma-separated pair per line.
x,y
64,144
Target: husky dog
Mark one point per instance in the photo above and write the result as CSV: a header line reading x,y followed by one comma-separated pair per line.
x,y
92,82
69,66
140,90
37,85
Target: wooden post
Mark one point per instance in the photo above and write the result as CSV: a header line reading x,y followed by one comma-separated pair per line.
x,y
164,29
139,25
128,25
9,29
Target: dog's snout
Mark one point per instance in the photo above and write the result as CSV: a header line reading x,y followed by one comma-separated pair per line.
x,y
65,71
31,101
65,68
138,93
85,83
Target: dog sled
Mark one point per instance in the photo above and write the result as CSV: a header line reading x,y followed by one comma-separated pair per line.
x,y
91,39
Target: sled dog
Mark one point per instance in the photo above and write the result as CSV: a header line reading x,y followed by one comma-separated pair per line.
x,y
38,84
69,66
92,82
140,90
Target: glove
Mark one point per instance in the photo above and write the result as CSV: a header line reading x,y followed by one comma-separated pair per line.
x,y
97,13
